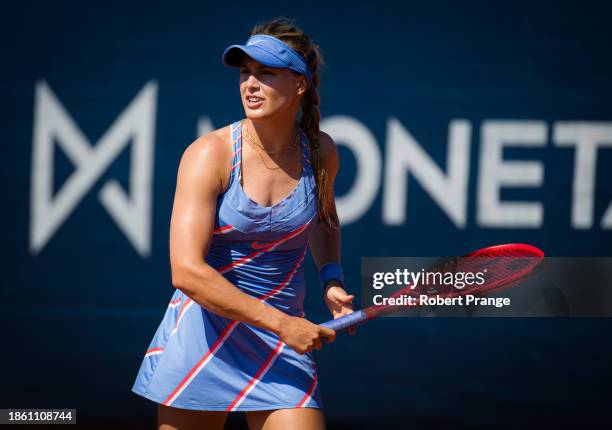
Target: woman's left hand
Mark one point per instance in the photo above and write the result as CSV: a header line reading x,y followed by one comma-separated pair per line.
x,y
339,302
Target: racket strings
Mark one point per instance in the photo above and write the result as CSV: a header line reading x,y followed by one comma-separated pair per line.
x,y
497,271
505,265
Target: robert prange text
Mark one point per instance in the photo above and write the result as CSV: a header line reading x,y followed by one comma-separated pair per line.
x,y
436,300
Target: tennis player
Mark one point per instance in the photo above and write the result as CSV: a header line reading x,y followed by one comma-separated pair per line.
x,y
251,198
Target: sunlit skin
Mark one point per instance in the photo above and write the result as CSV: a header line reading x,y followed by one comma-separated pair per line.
x,y
203,174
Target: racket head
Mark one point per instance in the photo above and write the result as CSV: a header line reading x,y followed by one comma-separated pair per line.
x,y
506,274
502,265
508,250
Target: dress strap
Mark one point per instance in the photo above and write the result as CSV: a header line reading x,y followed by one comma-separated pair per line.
x,y
237,151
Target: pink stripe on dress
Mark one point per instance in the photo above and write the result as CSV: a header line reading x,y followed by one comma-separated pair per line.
x,y
154,351
258,376
269,247
308,394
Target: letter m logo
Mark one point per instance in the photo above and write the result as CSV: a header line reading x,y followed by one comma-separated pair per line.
x,y
132,212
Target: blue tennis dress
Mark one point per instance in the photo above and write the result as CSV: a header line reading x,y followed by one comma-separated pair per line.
x,y
200,360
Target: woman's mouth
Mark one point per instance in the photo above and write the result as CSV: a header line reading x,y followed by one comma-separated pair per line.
x,y
254,102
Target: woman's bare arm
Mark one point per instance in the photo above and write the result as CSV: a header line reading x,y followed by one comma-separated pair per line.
x,y
325,242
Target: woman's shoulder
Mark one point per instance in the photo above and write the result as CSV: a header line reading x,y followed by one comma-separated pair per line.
x,y
211,152
329,151
216,140
326,142
215,144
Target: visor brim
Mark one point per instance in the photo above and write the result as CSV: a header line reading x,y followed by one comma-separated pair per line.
x,y
233,56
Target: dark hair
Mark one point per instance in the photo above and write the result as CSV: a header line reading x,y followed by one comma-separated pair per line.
x,y
286,30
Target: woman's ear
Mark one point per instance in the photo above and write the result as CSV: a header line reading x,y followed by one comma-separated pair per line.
x,y
302,85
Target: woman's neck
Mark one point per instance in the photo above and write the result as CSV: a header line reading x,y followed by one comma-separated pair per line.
x,y
273,134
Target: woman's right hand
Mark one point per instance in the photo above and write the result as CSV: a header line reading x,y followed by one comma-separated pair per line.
x,y
302,335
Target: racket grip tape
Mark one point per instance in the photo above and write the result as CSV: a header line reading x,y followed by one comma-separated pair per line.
x,y
342,323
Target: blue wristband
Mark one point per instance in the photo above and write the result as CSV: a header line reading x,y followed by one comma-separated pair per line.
x,y
331,271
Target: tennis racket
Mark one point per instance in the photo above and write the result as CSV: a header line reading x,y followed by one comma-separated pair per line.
x,y
504,265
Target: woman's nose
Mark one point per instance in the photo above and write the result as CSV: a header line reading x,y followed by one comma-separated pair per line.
x,y
252,80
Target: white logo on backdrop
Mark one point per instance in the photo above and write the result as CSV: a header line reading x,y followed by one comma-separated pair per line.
x,y
376,174
131,212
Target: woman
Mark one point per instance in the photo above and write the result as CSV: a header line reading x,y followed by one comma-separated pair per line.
x,y
234,336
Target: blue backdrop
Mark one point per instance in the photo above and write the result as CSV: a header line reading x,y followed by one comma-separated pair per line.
x,y
100,100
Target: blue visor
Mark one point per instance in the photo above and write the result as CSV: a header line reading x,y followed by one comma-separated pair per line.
x,y
269,51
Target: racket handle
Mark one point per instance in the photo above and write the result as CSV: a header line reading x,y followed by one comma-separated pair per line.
x,y
342,323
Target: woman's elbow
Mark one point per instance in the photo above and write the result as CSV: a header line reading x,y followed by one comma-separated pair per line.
x,y
186,275
178,279
182,274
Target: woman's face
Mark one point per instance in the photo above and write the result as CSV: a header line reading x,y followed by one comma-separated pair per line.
x,y
266,91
